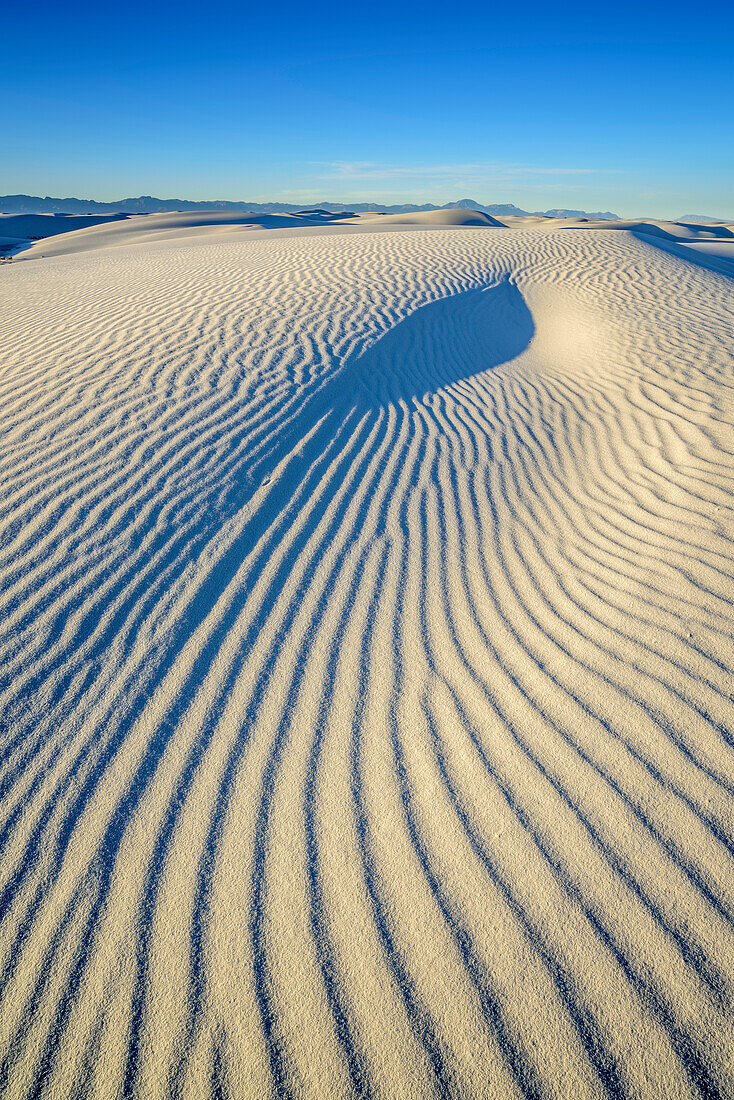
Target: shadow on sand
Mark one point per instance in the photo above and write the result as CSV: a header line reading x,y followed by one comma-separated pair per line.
x,y
338,424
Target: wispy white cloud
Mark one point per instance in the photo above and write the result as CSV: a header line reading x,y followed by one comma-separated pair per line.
x,y
480,171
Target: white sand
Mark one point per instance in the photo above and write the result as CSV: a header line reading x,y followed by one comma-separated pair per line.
x,y
82,233
366,684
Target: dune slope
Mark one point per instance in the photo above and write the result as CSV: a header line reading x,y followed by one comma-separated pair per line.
x,y
366,669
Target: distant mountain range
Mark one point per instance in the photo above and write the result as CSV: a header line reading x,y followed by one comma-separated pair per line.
x,y
700,219
147,204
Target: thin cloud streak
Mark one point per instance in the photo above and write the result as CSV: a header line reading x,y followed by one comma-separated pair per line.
x,y
474,172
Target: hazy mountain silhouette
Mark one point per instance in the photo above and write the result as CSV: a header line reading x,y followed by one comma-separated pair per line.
x,y
148,204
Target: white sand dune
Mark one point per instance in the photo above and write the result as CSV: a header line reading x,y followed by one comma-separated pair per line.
x,y
716,253
432,217
84,234
366,682
19,231
710,245
198,227
35,226
41,236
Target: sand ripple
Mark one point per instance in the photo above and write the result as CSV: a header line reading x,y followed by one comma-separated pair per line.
x,y
366,669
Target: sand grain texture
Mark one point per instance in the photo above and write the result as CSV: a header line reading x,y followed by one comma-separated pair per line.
x,y
366,682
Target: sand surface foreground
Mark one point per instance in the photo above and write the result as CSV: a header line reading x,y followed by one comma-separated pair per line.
x,y
366,708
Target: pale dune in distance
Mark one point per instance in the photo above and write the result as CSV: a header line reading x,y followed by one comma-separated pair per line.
x,y
366,685
33,236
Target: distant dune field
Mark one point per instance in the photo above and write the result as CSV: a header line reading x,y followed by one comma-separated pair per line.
x,y
366,695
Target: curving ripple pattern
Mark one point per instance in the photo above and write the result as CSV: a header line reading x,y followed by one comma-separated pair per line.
x,y
366,709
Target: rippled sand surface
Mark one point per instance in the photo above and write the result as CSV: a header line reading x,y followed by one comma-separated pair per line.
x,y
366,668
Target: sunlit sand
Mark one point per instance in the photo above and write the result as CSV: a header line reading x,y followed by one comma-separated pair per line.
x,y
366,683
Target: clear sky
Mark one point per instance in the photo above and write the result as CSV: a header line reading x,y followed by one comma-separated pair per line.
x,y
625,106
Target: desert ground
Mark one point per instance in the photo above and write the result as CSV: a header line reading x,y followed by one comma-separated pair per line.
x,y
366,697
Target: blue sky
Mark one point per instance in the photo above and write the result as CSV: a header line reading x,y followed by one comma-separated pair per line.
x,y
629,107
